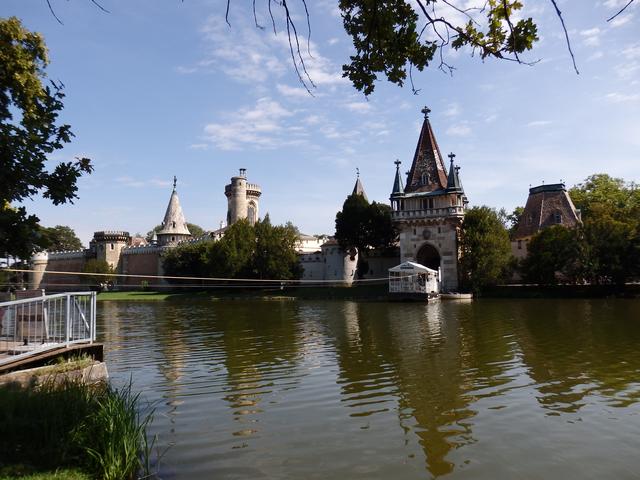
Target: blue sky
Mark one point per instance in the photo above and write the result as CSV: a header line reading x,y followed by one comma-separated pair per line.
x,y
162,88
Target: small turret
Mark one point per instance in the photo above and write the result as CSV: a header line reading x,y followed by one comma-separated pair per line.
x,y
174,226
242,199
358,189
398,189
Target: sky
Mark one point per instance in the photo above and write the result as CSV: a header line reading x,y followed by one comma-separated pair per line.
x,y
157,89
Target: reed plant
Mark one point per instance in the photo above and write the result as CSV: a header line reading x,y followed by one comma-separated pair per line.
x,y
72,423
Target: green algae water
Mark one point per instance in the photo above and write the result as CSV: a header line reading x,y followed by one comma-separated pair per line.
x,y
517,389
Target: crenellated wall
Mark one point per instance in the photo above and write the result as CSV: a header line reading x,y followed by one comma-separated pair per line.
x,y
72,261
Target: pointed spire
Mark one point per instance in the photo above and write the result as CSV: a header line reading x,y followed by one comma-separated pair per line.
x,y
358,189
453,182
174,222
427,172
398,189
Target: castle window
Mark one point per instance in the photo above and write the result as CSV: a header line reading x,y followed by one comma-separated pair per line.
x,y
111,246
431,203
173,239
557,217
173,224
414,231
425,178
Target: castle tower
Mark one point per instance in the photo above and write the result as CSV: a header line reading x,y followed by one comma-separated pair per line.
x,y
428,212
174,226
108,246
242,198
38,265
547,205
358,189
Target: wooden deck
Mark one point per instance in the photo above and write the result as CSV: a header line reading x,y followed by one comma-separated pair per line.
x,y
46,355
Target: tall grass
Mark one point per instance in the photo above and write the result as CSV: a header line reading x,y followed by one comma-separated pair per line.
x,y
71,423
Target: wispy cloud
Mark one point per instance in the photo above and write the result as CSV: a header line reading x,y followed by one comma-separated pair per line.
x,y
621,20
292,92
591,37
263,126
127,181
459,130
616,97
539,123
359,107
452,110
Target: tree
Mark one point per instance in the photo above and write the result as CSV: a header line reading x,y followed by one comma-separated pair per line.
x,y
611,213
100,267
29,132
513,220
246,251
554,250
195,230
363,225
61,238
485,249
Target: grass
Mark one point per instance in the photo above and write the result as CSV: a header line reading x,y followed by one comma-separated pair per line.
x,y
25,472
146,296
93,428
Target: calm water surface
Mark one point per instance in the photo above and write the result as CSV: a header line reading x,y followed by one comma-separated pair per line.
x,y
512,389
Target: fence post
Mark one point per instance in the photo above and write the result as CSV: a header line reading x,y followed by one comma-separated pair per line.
x,y
68,322
93,316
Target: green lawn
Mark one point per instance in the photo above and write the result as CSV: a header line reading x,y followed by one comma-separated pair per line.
x,y
133,296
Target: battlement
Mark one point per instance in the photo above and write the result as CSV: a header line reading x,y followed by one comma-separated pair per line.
x,y
111,235
66,255
143,249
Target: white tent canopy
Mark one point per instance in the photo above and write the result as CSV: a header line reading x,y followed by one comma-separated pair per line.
x,y
412,268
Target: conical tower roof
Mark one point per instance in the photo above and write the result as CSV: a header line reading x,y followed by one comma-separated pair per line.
x,y
358,189
174,222
427,172
454,185
398,189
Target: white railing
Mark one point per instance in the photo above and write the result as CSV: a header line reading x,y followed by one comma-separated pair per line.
x,y
32,325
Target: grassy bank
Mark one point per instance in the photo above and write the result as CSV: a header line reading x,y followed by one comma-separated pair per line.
x,y
71,430
360,292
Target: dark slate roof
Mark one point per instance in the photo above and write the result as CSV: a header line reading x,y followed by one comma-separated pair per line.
x,y
454,185
358,189
547,205
398,189
427,160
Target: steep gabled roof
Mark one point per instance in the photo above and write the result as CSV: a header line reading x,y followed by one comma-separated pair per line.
x,y
427,172
174,222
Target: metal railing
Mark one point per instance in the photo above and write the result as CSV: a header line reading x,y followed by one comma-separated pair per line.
x,y
428,212
32,325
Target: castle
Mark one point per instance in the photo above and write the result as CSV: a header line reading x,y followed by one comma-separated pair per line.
x,y
427,213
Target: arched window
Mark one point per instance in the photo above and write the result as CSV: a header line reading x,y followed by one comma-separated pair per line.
x,y
173,224
557,217
425,178
251,213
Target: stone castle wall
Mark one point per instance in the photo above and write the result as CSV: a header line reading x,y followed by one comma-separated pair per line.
x,y
63,262
141,261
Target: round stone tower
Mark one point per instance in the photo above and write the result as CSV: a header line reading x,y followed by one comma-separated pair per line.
x,y
243,199
108,246
38,265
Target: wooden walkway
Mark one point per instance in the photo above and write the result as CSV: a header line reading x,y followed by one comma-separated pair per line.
x,y
46,355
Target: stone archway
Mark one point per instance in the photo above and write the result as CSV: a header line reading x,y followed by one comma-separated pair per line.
x,y
428,256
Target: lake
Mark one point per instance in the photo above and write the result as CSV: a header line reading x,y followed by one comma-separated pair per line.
x,y
517,389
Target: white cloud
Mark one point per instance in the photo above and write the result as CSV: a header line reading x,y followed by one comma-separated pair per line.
x,y
127,181
198,146
591,36
620,20
616,97
632,51
263,126
358,107
539,123
595,56
333,41
452,110
292,92
459,130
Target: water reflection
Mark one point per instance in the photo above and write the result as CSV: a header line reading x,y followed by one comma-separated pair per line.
x,y
374,390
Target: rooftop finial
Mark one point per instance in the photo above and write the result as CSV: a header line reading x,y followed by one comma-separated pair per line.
x,y
357,172
426,110
175,180
397,162
452,156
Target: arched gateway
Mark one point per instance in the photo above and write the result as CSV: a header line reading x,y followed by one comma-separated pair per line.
x,y
428,256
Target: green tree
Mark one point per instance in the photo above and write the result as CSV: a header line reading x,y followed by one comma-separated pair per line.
x,y
102,268
188,259
363,225
552,251
29,132
485,249
61,238
611,213
513,220
275,255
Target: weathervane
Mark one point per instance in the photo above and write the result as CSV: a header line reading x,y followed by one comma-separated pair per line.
x,y
175,180
452,156
426,110
357,172
397,162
